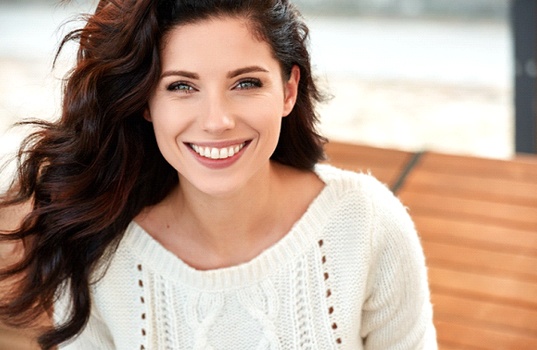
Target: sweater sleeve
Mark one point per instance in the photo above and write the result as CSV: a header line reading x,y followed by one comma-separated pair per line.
x,y
397,312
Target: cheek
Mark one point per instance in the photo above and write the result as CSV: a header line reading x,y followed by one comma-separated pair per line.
x,y
167,125
269,116
166,119
268,119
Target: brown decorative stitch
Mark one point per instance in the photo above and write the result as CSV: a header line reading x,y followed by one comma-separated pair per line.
x,y
326,276
142,301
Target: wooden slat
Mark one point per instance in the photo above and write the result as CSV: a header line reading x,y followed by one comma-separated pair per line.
x,y
473,186
521,168
468,336
478,210
485,314
507,291
483,261
385,164
476,234
446,346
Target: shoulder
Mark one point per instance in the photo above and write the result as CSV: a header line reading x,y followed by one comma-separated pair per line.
x,y
369,199
388,223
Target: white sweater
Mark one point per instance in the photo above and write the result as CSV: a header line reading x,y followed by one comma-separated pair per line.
x,y
349,275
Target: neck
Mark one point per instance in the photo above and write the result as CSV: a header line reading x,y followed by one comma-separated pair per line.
x,y
237,213
231,226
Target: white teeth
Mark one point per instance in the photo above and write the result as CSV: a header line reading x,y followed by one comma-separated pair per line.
x,y
217,153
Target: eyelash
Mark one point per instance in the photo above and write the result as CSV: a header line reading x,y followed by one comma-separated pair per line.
x,y
252,84
182,87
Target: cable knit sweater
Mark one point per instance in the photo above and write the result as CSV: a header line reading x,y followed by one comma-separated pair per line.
x,y
349,275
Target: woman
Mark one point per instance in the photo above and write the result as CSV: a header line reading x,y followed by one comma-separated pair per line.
x,y
178,203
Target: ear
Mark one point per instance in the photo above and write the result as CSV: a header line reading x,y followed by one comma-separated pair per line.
x,y
290,90
147,114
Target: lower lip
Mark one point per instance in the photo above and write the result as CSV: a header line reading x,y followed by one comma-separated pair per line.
x,y
219,163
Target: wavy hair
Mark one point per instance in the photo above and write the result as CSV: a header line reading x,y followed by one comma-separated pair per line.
x,y
91,172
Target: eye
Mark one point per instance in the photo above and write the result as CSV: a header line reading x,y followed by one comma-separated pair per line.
x,y
181,87
247,84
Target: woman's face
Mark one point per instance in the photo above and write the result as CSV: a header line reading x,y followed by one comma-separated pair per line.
x,y
218,105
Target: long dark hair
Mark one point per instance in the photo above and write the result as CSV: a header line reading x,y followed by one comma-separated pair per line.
x,y
90,173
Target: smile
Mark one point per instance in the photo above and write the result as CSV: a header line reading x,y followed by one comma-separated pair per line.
x,y
217,153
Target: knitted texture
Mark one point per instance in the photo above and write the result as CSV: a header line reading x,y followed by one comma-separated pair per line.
x,y
349,275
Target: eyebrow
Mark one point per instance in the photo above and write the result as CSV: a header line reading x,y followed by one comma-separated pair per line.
x,y
244,70
181,73
230,74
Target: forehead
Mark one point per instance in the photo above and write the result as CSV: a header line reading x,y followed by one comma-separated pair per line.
x,y
242,21
215,38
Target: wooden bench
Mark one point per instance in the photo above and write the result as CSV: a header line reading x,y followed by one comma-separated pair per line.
x,y
477,219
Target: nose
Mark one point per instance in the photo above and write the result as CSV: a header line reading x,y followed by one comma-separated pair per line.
x,y
217,116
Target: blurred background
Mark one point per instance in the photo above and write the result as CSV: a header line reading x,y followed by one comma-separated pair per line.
x,y
405,74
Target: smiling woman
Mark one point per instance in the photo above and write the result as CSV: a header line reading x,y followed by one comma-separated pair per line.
x,y
178,202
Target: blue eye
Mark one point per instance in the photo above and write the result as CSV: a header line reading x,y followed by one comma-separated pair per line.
x,y
182,87
249,84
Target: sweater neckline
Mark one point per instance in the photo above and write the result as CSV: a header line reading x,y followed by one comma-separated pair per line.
x,y
304,233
